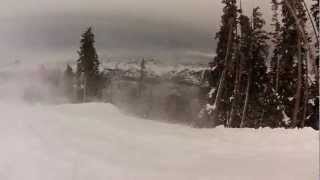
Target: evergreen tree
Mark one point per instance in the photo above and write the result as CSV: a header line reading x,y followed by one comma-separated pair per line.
x,y
258,100
219,104
292,61
241,57
88,75
229,13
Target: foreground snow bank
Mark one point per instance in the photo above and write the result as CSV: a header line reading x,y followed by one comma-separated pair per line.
x,y
97,141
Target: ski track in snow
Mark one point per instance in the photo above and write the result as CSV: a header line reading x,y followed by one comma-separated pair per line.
x,y
97,142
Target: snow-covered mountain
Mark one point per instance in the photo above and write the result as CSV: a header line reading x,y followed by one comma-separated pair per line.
x,y
155,71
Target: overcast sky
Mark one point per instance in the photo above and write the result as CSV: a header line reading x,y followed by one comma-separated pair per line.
x,y
49,30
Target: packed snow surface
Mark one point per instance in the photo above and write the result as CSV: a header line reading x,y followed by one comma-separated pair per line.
x,y
98,142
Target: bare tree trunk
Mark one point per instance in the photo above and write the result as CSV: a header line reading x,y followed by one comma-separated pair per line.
x,y
277,74
83,86
305,105
237,78
150,103
306,96
111,91
245,107
85,89
222,78
235,94
298,91
259,123
141,79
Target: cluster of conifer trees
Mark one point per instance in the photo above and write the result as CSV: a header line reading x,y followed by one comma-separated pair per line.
x,y
254,91
86,83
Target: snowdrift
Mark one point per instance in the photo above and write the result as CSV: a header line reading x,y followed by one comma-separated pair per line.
x,y
97,141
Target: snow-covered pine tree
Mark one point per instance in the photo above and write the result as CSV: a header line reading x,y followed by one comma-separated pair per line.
x,y
229,12
292,59
219,103
259,100
243,53
87,73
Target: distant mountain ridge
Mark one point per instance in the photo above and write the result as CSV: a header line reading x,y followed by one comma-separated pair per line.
x,y
155,72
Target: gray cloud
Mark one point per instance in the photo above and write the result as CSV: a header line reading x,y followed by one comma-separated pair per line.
x,y
50,30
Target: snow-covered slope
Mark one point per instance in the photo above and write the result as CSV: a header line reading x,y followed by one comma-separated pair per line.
x,y
98,142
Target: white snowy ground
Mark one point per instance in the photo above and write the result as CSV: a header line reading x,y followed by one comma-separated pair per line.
x,y
98,142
